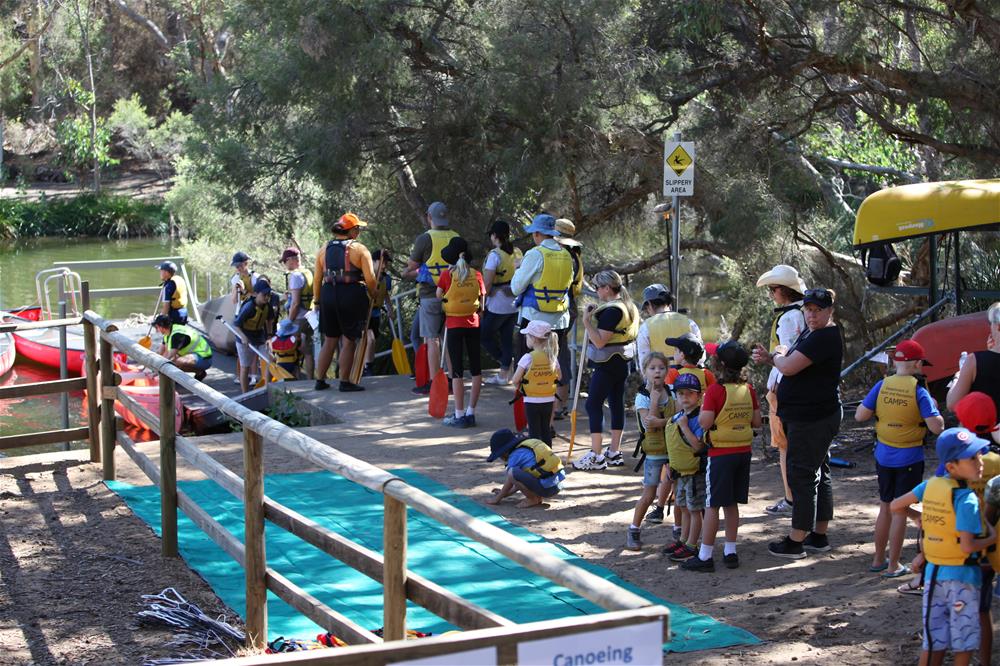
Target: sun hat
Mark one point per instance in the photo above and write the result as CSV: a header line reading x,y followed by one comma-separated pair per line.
x,y
502,442
565,227
910,350
956,444
687,381
288,254
168,266
784,275
287,327
977,412
820,297
657,292
543,223
439,214
239,258
347,222
689,345
733,355
455,247
537,329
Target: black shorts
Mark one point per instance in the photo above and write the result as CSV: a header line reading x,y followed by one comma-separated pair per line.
x,y
342,310
728,479
895,482
986,591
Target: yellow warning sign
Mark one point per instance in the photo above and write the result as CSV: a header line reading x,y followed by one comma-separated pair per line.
x,y
679,160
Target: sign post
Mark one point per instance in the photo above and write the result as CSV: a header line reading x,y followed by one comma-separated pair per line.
x,y
678,181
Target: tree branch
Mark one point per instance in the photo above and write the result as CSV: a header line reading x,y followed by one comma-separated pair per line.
x,y
141,20
30,40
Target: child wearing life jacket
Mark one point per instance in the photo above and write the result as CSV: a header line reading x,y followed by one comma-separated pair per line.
x,y
532,468
653,404
537,376
254,320
462,292
684,437
285,346
666,408
904,412
687,359
950,521
729,415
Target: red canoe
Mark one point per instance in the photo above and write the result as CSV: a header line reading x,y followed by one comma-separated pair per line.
x,y
143,388
42,345
944,341
7,353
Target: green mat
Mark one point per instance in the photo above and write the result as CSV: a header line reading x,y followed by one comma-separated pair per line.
x,y
436,552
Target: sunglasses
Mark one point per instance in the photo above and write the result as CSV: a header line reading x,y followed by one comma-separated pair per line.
x,y
773,287
818,293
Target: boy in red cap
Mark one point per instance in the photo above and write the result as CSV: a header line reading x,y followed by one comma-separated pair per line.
x,y
904,412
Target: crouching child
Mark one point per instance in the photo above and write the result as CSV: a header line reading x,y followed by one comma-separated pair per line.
x,y
532,468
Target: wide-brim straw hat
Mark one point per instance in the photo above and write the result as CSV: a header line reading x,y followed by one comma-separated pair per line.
x,y
785,276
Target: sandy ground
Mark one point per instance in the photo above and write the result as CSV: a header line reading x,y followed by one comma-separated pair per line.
x,y
60,524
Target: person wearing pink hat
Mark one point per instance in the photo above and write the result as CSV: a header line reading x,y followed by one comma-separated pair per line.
x,y
904,412
537,377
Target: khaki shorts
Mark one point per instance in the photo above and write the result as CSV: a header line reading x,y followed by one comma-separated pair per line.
x,y
778,439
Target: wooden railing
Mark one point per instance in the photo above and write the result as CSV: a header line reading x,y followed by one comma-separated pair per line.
x,y
399,583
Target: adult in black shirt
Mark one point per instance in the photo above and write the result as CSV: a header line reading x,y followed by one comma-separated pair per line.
x,y
981,370
809,407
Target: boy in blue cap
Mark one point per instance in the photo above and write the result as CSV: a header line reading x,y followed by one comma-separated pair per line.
x,y
951,520
532,468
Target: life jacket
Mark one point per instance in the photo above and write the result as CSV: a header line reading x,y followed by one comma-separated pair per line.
x,y
620,342
550,293
665,325
546,463
697,372
732,427
991,468
285,349
179,299
462,298
654,443
258,319
683,459
576,287
898,421
339,269
781,312
540,379
940,535
430,271
197,345
306,297
245,284
505,271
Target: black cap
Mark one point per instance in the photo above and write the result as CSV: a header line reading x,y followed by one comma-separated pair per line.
x,y
239,258
503,442
657,292
161,321
262,287
820,297
689,345
456,246
733,355
168,266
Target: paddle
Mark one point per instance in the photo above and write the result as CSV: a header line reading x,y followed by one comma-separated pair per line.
x,y
276,370
437,404
361,348
520,417
399,358
576,396
422,373
146,341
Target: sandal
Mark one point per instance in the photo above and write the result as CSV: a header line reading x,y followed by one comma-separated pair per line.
x,y
903,570
911,586
876,568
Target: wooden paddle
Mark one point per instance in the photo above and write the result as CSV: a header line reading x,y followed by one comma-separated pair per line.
x,y
576,396
275,369
421,373
361,348
437,403
146,341
399,358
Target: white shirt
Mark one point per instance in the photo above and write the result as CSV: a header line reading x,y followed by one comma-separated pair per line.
x,y
525,362
497,302
790,327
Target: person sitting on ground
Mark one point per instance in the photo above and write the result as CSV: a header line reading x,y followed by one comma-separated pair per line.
x,y
537,376
174,294
532,468
951,522
285,347
687,359
184,347
253,321
729,415
904,412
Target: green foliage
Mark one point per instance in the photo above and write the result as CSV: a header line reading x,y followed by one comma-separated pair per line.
x,y
142,138
284,408
78,149
85,215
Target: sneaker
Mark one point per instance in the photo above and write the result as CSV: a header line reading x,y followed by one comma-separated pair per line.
x,y
200,375
615,459
253,380
816,543
422,390
673,548
633,540
655,516
781,508
682,553
496,380
348,387
453,421
590,460
731,561
698,564
787,548
321,385
469,420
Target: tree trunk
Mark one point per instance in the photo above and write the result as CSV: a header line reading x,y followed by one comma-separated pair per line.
x,y
93,119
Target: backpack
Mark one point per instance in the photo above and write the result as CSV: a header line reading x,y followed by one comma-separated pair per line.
x,y
882,265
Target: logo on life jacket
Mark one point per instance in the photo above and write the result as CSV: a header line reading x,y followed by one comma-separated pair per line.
x,y
732,427
898,421
540,379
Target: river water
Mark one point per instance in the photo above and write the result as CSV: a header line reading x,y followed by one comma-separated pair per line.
x,y
19,262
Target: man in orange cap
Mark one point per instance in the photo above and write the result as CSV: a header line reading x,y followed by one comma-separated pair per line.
x,y
343,284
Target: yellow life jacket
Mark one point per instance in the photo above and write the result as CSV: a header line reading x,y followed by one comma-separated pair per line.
x,y
682,456
665,325
462,298
551,292
991,468
258,319
620,342
430,271
306,297
697,372
179,299
732,427
197,344
505,271
782,311
898,422
245,284
546,462
285,349
940,535
540,379
654,442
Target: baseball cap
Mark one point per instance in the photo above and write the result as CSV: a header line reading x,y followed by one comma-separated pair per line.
x,y
689,345
168,266
910,350
657,292
977,412
543,223
502,442
439,213
348,221
262,287
538,329
288,254
733,355
239,258
820,297
958,444
687,381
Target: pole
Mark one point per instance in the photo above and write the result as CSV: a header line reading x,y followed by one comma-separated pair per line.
x,y
108,426
394,570
675,243
63,364
255,566
168,469
90,360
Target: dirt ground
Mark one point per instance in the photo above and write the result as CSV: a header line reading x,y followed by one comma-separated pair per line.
x,y
61,525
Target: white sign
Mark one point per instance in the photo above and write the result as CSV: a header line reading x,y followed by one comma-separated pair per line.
x,y
480,657
633,645
678,168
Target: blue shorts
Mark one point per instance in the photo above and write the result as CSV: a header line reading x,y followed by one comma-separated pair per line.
x,y
953,617
652,468
533,484
202,362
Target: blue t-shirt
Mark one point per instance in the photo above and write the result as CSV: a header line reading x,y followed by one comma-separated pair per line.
x,y
524,458
966,520
890,456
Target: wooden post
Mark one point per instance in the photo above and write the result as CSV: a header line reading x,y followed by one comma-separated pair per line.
x,y
256,558
394,570
108,426
168,469
90,367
